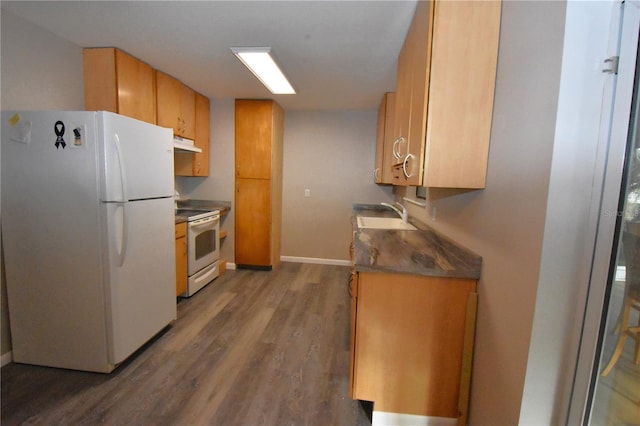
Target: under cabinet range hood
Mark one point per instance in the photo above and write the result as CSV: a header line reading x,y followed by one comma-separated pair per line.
x,y
181,144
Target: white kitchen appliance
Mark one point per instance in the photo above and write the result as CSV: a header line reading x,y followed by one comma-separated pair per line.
x,y
88,235
203,247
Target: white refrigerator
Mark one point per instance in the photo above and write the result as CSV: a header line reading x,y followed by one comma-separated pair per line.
x,y
88,236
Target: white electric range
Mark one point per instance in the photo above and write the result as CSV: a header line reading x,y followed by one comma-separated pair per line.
x,y
203,247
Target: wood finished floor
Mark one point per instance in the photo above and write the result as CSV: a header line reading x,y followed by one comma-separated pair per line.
x,y
252,348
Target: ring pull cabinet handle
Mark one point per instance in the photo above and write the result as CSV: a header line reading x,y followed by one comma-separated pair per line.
x,y
376,174
396,147
404,166
396,155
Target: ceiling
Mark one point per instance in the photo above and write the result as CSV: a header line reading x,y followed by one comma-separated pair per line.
x,y
337,54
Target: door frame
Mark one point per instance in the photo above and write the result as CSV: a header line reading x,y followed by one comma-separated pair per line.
x,y
604,223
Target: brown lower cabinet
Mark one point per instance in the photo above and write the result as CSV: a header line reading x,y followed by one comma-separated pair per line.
x,y
181,258
412,343
253,224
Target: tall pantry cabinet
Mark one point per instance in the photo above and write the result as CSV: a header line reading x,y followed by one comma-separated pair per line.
x,y
259,128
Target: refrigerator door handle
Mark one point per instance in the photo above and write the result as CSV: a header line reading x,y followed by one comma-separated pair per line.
x,y
123,181
122,254
123,176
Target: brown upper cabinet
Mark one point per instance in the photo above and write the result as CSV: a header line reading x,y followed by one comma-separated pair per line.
x,y
384,141
256,121
444,95
197,164
201,159
117,82
175,105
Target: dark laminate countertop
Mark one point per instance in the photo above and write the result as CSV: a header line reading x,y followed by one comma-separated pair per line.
x,y
223,206
420,252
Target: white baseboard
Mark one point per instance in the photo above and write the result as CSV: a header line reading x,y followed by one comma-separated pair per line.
x,y
381,418
315,260
297,259
6,358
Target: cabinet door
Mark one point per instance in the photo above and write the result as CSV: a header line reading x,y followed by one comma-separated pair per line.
x,y
410,339
379,160
385,139
253,222
175,105
100,81
181,258
421,55
402,104
253,135
196,163
136,88
408,170
201,159
463,73
117,82
188,112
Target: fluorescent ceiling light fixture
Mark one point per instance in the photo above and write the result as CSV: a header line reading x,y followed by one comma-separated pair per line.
x,y
261,63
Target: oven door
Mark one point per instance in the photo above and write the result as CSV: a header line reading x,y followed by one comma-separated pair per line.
x,y
203,243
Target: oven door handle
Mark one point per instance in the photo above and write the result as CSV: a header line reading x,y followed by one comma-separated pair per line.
x,y
203,222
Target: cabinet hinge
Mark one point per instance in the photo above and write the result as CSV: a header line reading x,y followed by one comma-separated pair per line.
x,y
611,65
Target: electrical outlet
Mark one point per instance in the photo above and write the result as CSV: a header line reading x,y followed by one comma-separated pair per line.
x,y
307,193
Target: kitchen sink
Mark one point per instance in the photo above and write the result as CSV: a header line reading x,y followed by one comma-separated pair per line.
x,y
384,223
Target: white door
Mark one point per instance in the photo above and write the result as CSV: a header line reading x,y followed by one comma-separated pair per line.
x,y
137,159
141,290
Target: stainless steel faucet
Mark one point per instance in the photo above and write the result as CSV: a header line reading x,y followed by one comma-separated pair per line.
x,y
403,214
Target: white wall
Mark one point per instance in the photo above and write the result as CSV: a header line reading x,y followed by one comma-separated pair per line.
x,y
38,71
331,153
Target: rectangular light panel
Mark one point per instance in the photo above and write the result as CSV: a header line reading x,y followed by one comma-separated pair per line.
x,y
261,63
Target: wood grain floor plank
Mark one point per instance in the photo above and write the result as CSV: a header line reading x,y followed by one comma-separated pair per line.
x,y
202,407
197,324
252,348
